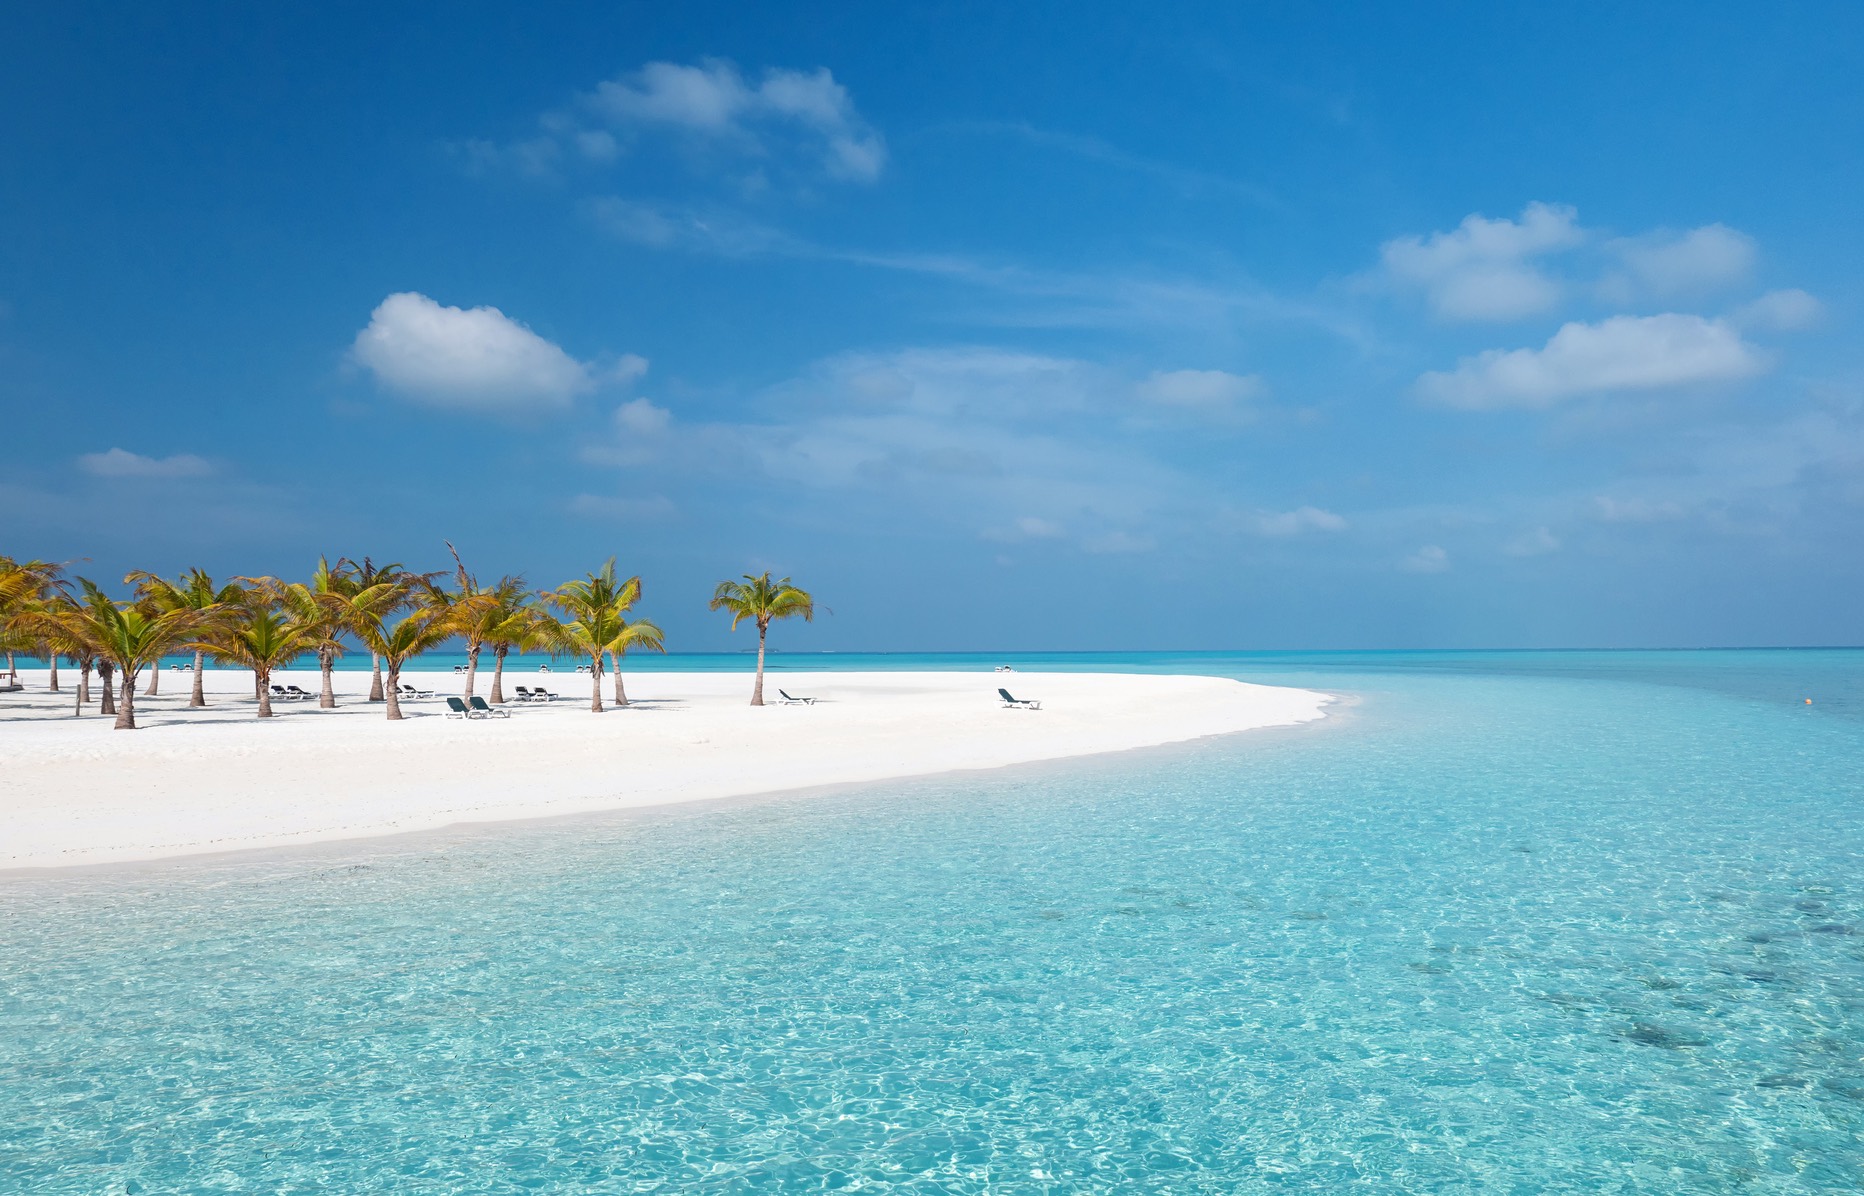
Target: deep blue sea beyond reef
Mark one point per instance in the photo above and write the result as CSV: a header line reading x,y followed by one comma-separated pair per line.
x,y
1506,923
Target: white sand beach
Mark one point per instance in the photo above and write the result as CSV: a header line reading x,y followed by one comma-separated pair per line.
x,y
73,791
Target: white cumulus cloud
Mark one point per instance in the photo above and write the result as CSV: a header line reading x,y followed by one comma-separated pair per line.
x,y
1780,311
714,100
1537,541
1200,389
1667,264
1301,519
473,359
1484,269
639,417
1621,353
1429,559
121,463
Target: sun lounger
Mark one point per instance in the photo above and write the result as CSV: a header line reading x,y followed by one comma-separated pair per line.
x,y
410,691
540,694
300,694
787,700
484,710
281,694
457,709
1020,703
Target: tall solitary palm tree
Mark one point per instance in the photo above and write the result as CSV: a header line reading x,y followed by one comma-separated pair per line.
x,y
762,600
596,607
195,591
127,638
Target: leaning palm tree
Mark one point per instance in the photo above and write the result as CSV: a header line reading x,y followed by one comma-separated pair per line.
x,y
643,634
195,591
596,607
24,585
262,639
395,644
762,600
126,638
58,637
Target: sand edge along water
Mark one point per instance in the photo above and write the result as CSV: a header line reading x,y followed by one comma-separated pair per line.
x,y
75,792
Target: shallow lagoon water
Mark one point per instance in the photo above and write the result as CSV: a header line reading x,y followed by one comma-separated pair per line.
x,y
1508,923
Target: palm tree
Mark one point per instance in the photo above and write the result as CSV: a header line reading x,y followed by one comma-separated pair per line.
x,y
127,638
25,586
481,609
595,606
763,600
57,638
323,605
195,591
394,645
642,634
261,639
366,576
509,620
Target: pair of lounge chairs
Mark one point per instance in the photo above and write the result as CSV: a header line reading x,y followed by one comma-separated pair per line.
x,y
410,691
787,700
540,694
290,693
476,708
1018,703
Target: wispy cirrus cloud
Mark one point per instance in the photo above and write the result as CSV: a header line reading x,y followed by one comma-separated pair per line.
x,y
121,463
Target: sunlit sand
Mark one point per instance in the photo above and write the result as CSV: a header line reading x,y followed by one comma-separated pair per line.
x,y
73,791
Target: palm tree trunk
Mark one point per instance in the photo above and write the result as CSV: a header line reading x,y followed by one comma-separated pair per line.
x,y
595,697
472,670
12,668
199,697
265,692
498,674
53,687
621,695
155,678
126,711
394,690
104,674
375,682
327,663
84,685
757,691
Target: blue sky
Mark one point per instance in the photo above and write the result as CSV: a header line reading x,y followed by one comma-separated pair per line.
x,y
1064,327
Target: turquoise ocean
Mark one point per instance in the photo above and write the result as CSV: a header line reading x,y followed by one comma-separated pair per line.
x,y
1507,922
